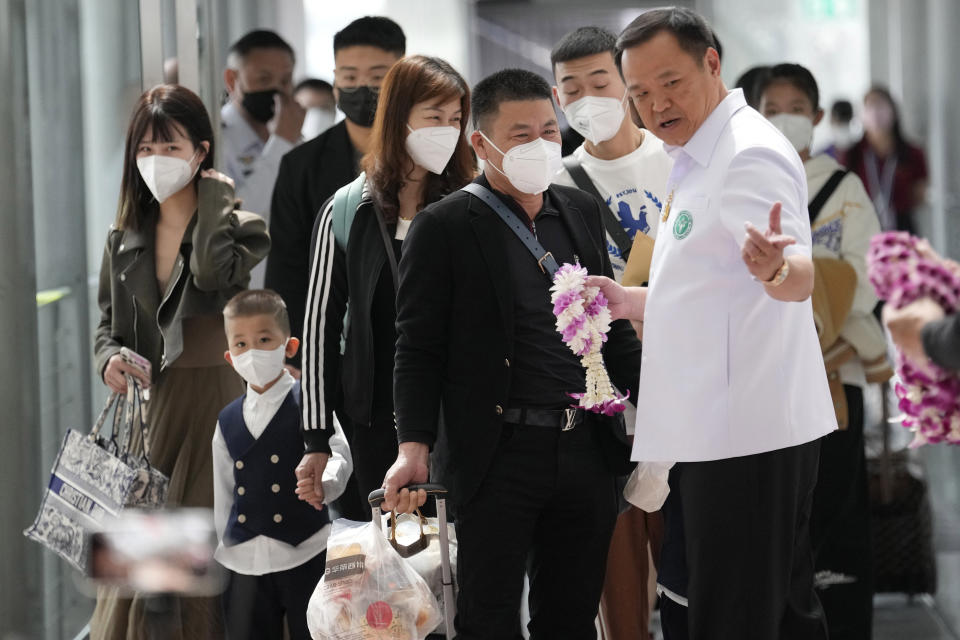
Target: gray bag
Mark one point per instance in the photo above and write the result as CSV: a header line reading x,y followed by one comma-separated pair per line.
x,y
94,478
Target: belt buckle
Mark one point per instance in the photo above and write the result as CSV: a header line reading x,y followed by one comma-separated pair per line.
x,y
569,417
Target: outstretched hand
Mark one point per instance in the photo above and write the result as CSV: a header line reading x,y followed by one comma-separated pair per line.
x,y
762,252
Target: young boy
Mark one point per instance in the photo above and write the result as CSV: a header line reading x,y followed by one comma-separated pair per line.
x,y
272,544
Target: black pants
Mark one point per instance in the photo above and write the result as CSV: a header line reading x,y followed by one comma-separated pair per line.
x,y
254,607
546,506
374,450
840,529
738,531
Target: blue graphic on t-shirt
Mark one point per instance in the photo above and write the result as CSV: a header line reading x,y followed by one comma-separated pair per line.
x,y
631,224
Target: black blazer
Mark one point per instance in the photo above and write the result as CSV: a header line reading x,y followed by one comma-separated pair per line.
x,y
455,325
309,175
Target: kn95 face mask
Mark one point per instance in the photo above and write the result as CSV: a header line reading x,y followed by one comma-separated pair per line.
x,y
796,128
165,175
431,147
530,167
595,118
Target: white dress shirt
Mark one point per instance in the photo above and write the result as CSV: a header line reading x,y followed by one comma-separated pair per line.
x,y
261,555
253,164
726,370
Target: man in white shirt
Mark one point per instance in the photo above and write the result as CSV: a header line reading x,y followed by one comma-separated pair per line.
x,y
260,122
732,379
627,168
626,165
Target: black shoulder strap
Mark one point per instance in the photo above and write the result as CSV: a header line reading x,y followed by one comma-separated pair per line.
x,y
546,261
387,245
610,221
825,192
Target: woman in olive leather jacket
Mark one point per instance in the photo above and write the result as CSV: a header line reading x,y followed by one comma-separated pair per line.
x,y
177,252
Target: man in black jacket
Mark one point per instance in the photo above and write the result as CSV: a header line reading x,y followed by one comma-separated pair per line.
x,y
531,480
310,174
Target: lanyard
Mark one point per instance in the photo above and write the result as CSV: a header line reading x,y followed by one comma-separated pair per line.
x,y
882,187
543,257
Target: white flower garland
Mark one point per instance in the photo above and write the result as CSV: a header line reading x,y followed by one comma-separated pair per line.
x,y
583,320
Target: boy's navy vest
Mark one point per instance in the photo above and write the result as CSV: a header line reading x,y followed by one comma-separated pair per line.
x,y
264,502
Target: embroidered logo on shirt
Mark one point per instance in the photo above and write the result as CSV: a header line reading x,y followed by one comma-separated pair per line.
x,y
683,225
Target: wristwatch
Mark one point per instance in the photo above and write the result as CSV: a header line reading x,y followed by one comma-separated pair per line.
x,y
780,275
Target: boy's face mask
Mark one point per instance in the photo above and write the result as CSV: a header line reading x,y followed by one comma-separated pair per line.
x,y
260,367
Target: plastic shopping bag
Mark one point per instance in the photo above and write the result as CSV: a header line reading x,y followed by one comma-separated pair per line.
x,y
368,592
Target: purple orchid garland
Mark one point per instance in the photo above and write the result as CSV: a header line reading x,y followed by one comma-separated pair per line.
x,y
583,321
901,272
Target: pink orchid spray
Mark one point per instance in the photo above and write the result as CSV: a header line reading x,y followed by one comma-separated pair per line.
x,y
584,320
902,271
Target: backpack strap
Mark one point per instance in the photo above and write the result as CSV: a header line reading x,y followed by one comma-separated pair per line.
x,y
825,192
345,202
610,222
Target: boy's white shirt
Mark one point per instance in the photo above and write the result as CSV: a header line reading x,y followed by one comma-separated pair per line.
x,y
842,230
261,555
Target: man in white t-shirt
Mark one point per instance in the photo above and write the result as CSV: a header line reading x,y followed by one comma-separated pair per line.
x,y
625,164
627,168
732,382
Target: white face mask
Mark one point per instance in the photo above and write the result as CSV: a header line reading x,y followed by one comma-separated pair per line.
x,y
431,147
596,119
316,121
530,167
797,129
260,367
165,175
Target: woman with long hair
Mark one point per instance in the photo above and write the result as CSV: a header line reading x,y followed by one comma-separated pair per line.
x,y
893,170
418,155
176,253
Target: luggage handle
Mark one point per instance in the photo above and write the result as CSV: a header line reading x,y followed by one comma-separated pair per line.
x,y
436,490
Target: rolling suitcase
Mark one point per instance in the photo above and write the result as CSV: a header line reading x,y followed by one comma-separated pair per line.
x,y
439,493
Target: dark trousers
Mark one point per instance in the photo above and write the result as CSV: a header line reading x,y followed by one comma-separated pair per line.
x,y
351,505
840,529
738,531
546,507
374,450
254,607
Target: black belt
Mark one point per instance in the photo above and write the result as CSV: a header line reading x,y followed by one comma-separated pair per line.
x,y
563,419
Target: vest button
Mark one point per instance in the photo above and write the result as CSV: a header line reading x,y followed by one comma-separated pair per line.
x,y
498,410
241,518
123,277
275,488
239,464
274,458
277,517
506,362
241,491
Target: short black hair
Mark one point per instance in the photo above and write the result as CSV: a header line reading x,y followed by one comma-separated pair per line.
x,y
687,26
504,86
842,110
258,302
372,31
257,39
753,82
583,42
795,74
316,84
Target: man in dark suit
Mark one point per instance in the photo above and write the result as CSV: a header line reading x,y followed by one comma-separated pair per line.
x,y
310,174
477,335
